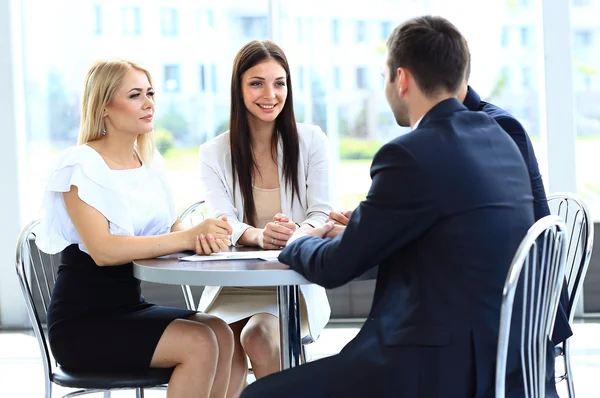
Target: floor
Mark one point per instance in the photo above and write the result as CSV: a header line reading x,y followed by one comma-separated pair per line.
x,y
21,372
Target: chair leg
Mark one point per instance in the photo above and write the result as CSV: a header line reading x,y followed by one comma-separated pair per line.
x,y
139,393
188,297
303,353
568,370
48,388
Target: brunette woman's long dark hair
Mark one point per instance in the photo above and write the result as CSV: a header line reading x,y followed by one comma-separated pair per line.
x,y
242,160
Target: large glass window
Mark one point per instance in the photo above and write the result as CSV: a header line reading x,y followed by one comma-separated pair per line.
x,y
586,83
343,92
191,72
336,61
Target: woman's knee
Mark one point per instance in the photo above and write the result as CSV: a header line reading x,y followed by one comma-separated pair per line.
x,y
259,339
220,328
185,341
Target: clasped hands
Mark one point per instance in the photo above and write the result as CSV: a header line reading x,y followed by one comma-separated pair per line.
x,y
211,235
334,225
214,234
276,233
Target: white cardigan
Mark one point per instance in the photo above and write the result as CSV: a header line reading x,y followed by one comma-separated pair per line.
x,y
216,179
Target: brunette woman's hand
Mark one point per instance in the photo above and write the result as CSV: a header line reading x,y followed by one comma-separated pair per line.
x,y
218,228
276,234
340,217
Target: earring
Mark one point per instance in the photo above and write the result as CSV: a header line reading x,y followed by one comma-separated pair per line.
x,y
103,132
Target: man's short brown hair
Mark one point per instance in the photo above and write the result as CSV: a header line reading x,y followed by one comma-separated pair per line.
x,y
433,50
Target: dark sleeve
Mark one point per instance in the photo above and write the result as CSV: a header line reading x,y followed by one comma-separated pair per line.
x,y
520,137
399,207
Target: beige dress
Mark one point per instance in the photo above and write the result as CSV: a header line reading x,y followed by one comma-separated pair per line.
x,y
237,303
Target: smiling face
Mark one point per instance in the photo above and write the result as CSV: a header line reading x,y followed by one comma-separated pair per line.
x,y
131,109
264,90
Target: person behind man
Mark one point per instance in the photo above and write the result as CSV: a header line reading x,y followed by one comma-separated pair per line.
x,y
472,100
448,206
469,97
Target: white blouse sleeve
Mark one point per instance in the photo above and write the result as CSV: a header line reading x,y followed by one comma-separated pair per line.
x,y
84,168
218,201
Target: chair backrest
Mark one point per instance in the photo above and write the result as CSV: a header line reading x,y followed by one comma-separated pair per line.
x,y
36,277
537,270
193,214
580,239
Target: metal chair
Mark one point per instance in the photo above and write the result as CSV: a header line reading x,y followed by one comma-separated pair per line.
x,y
37,280
187,215
580,239
540,260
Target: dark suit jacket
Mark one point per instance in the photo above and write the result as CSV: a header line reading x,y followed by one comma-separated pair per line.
x,y
448,206
562,329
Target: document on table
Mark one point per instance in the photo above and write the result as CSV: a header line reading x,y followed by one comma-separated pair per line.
x,y
266,255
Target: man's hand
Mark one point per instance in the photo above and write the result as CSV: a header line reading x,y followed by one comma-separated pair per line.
x,y
340,217
335,231
310,231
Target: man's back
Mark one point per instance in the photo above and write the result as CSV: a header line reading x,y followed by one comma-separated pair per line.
x,y
562,329
472,192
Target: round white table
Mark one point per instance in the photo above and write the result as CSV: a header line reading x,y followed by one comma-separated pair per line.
x,y
170,270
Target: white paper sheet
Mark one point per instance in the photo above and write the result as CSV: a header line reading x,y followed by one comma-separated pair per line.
x,y
267,255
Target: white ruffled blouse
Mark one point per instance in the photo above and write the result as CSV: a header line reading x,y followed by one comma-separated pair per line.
x,y
136,202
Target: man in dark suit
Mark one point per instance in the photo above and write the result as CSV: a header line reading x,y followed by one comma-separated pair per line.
x,y
448,206
472,100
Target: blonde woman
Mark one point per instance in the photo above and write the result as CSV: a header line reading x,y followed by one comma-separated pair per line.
x,y
106,204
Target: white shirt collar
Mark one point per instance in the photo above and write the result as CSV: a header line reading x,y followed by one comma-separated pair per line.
x,y
417,123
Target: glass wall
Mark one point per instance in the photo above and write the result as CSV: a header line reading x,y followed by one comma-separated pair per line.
x,y
336,54
586,82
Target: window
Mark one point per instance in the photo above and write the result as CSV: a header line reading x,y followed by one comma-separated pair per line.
x,y
300,25
210,18
202,78
525,36
582,39
213,77
526,77
255,27
97,19
300,78
386,30
361,31
337,78
505,37
587,102
581,3
335,31
168,22
132,21
172,78
361,78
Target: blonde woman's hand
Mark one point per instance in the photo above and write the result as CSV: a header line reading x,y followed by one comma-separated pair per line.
x,y
218,228
207,244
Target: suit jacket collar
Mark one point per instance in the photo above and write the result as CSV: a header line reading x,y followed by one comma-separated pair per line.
x,y
472,99
443,108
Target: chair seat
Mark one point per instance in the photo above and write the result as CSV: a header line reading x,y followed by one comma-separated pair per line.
x,y
558,351
109,381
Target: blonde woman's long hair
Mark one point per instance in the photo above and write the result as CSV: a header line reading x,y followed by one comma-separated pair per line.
x,y
101,82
